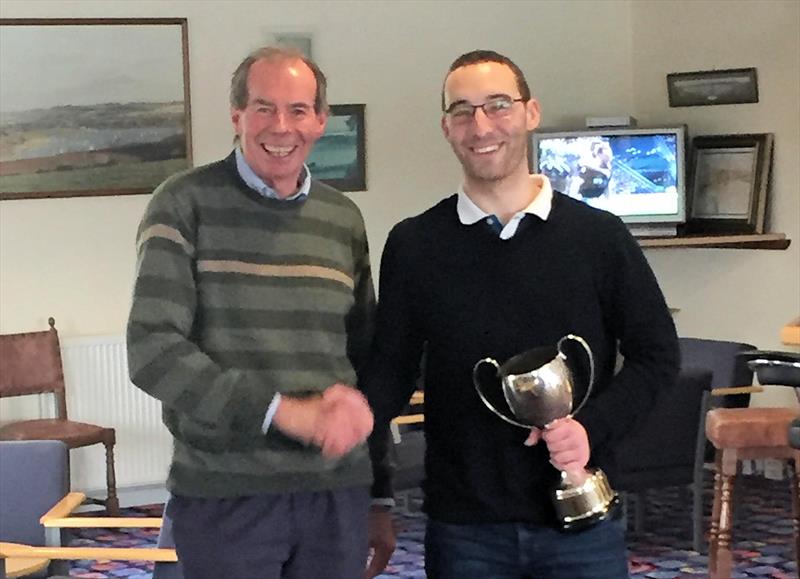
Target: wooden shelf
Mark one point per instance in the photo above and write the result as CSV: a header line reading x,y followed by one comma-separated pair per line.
x,y
762,241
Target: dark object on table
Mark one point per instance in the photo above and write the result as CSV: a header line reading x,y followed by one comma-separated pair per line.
x,y
771,367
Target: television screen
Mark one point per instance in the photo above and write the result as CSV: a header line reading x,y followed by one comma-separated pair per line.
x,y
637,174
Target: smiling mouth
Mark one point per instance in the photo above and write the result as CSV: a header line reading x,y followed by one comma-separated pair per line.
x,y
488,149
279,151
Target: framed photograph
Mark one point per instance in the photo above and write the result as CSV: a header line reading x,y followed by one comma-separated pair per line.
x,y
339,157
730,181
712,87
92,106
299,41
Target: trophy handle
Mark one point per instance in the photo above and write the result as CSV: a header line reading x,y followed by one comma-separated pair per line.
x,y
588,350
488,404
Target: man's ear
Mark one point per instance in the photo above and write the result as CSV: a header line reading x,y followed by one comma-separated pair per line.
x,y
445,128
533,114
236,116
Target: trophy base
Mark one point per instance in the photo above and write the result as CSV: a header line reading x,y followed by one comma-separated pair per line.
x,y
580,507
613,511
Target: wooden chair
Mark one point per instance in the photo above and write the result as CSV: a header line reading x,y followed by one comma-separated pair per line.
x,y
745,434
30,363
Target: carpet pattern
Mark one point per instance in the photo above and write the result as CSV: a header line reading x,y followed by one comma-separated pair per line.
x,y
762,538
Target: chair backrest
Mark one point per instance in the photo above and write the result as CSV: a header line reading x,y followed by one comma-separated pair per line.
x,y
33,478
720,357
660,451
30,363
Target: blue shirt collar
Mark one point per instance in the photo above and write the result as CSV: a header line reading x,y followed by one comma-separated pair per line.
x,y
257,184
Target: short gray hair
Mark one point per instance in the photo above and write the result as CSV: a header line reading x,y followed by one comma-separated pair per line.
x,y
239,95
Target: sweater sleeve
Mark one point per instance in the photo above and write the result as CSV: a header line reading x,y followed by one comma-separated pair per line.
x,y
638,316
393,367
163,358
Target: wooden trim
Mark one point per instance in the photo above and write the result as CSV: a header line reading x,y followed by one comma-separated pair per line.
x,y
59,517
105,523
409,419
736,390
755,241
93,553
63,508
418,397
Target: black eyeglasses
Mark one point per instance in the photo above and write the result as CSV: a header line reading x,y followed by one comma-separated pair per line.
x,y
494,108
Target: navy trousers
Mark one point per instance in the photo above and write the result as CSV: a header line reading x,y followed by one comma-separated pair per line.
x,y
522,551
304,535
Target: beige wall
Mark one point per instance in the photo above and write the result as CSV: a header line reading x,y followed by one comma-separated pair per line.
x,y
73,258
730,294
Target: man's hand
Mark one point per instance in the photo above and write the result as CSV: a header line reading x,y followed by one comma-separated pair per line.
x,y
345,420
337,421
382,541
568,444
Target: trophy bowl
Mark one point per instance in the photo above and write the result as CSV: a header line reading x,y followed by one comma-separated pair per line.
x,y
538,387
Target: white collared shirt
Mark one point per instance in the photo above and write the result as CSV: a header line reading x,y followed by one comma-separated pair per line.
x,y
469,213
256,183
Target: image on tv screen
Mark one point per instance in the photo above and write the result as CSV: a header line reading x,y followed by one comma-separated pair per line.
x,y
625,174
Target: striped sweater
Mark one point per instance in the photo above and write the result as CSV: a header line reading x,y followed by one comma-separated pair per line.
x,y
238,297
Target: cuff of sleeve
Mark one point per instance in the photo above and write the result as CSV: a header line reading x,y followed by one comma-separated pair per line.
x,y
271,410
387,502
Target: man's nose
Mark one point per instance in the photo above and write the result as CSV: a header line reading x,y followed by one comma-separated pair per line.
x,y
281,122
481,123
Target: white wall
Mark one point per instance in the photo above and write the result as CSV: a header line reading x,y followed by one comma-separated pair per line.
x,y
729,294
73,258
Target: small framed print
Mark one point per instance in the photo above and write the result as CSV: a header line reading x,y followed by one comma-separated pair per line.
x,y
712,87
730,181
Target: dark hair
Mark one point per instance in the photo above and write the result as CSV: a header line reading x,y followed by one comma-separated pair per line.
x,y
479,56
239,95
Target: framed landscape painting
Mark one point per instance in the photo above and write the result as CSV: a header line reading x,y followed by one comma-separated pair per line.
x,y
92,106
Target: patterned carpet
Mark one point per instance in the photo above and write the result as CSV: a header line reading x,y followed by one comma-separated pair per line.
x,y
762,537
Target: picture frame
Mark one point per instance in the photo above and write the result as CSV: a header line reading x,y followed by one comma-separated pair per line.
x,y
300,41
92,106
339,156
712,87
730,182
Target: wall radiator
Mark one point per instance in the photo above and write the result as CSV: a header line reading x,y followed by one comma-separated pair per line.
x,y
100,392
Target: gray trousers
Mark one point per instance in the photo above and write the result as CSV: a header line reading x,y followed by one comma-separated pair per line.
x,y
304,535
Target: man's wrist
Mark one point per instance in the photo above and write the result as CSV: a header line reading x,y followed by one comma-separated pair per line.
x,y
382,504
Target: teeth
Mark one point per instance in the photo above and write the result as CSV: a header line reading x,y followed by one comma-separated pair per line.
x,y
489,149
278,151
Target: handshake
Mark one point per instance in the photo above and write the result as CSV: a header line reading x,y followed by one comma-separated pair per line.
x,y
336,422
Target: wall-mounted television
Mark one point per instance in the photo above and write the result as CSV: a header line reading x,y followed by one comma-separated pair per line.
x,y
636,173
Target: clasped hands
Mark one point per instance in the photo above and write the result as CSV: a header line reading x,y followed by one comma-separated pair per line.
x,y
336,421
568,443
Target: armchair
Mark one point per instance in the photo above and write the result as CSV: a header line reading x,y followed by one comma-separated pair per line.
x,y
33,477
669,447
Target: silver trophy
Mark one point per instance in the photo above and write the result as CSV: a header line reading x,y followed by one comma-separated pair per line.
x,y
538,390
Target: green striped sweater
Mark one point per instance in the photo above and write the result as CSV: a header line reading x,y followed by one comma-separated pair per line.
x,y
238,297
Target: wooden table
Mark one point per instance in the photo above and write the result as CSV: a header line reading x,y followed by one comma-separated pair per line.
x,y
17,566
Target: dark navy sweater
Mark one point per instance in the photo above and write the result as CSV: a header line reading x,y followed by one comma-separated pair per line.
x,y
461,293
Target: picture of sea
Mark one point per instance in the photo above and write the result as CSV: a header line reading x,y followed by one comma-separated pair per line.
x,y
335,157
77,116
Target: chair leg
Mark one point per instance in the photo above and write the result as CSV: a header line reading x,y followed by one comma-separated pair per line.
x,y
112,501
796,509
638,521
720,557
697,514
